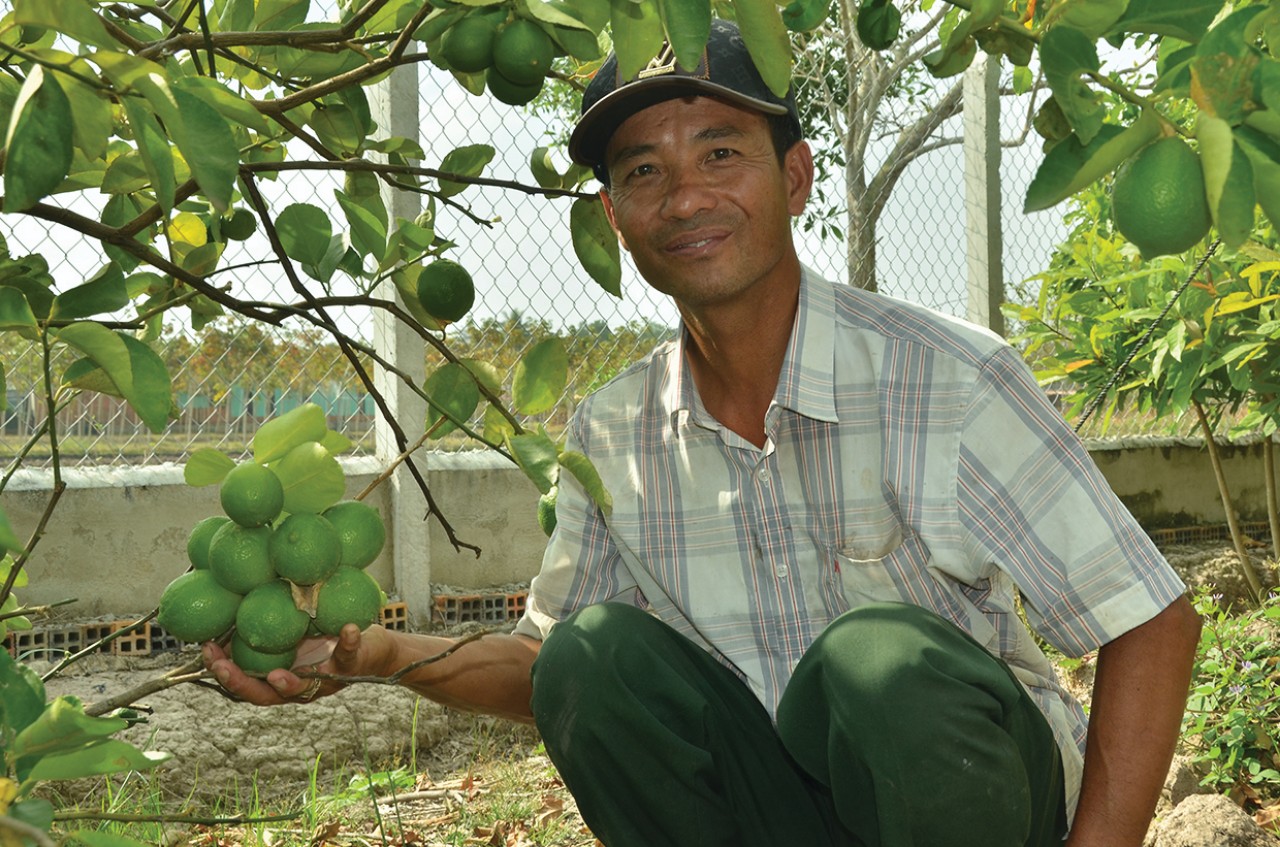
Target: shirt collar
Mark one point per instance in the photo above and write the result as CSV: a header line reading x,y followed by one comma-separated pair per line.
x,y
806,384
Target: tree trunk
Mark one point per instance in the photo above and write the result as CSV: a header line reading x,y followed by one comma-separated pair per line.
x,y
1237,537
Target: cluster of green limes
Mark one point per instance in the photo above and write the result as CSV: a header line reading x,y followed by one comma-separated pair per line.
x,y
513,53
276,577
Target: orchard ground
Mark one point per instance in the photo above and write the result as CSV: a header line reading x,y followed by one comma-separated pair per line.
x,y
377,764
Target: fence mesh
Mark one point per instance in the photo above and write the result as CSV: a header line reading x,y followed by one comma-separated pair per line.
x,y
232,373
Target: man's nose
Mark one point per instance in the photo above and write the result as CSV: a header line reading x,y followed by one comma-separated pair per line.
x,y
689,191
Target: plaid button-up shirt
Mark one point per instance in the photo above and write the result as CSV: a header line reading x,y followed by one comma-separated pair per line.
x,y
909,457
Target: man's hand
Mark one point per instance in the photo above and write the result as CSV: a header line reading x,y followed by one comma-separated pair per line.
x,y
351,653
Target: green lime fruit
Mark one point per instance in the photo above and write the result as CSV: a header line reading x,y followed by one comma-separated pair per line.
x,y
511,93
547,511
446,290
522,52
239,557
251,494
349,596
198,540
305,548
361,532
1158,200
258,661
269,620
239,225
195,607
467,46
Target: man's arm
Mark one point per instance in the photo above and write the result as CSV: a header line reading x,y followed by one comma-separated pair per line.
x,y
1139,695
489,675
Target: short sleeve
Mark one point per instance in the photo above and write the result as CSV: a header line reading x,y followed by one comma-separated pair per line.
x,y
581,566
1033,502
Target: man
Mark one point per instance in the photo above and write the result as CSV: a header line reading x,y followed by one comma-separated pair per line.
x,y
799,623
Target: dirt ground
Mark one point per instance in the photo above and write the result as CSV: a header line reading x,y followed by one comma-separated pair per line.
x,y
459,760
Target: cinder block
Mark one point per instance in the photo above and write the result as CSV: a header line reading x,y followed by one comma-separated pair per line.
x,y
162,641
64,640
395,616
92,633
515,605
29,643
134,643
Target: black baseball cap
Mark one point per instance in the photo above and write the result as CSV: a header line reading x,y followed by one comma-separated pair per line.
x,y
725,70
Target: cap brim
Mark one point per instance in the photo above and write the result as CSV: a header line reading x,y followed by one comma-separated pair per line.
x,y
590,137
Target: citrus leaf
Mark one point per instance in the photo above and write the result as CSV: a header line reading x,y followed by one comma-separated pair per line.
x,y
687,24
280,14
91,112
454,398
305,232
106,292
105,348
335,442
1060,166
231,106
312,478
210,148
36,811
540,377
1187,19
878,22
1066,171
73,18
368,234
767,41
8,539
275,438
1068,54
637,34
15,311
1264,154
585,472
38,146
1228,180
153,148
105,757
497,427
469,160
206,466
149,391
63,726
22,696
537,455
544,172
595,244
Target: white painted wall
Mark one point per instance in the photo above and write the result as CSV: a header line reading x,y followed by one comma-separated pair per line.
x,y
118,536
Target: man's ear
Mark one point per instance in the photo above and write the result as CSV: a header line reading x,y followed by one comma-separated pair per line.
x,y
613,220
797,166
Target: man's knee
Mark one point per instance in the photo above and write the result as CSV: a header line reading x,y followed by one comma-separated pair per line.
x,y
588,648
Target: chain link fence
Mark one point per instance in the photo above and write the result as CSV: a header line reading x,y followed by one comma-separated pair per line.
x,y
231,374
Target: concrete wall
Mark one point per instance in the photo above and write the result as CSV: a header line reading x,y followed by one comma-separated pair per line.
x,y
118,536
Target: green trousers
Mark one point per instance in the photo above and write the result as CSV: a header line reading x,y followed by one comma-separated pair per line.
x,y
896,729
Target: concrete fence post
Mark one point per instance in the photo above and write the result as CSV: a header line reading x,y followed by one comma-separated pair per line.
x,y
394,103
983,236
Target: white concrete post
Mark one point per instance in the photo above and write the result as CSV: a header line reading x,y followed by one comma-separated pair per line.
x,y
984,244
394,104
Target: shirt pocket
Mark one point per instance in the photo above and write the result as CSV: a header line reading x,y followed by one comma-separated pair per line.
x,y
869,568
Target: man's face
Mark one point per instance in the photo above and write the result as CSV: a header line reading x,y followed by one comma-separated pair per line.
x,y
700,200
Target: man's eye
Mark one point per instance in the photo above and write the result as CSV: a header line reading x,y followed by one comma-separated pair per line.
x,y
721,153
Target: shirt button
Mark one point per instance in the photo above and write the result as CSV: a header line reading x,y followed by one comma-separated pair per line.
x,y
763,474
781,571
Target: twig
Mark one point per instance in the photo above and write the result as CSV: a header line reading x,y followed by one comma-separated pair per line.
x,y
395,463
96,646
131,818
